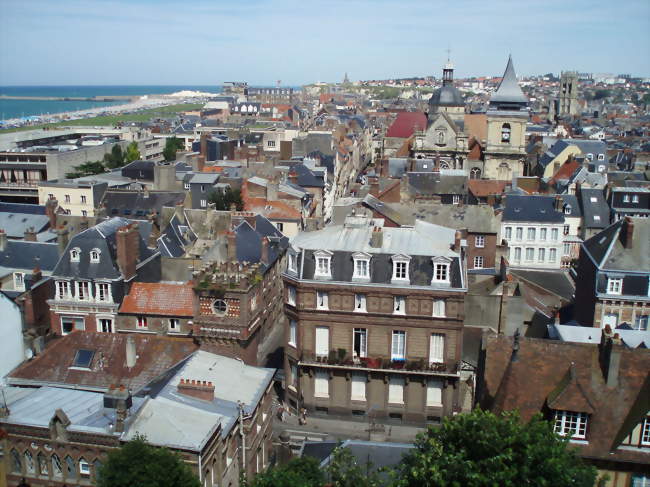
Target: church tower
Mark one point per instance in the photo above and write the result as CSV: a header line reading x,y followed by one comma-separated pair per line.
x,y
507,115
568,94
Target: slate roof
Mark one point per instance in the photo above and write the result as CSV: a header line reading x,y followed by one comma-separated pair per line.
x,y
570,203
538,209
308,178
608,251
593,204
139,204
159,298
204,178
20,254
435,183
102,237
555,282
405,124
552,152
509,90
155,356
539,375
373,455
249,241
588,334
16,218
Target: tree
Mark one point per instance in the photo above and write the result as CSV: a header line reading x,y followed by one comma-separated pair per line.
x,y
482,449
172,145
344,471
600,94
86,169
139,463
299,472
223,199
132,152
115,158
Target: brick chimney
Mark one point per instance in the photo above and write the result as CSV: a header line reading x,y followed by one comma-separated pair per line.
x,y
200,162
232,246
50,211
118,398
264,258
128,250
37,275
610,350
62,239
374,186
197,389
204,146
458,236
30,235
293,177
627,233
557,203
377,238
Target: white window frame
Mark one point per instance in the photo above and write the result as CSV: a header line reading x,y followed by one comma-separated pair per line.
x,y
322,300
321,341
19,281
84,468
516,255
360,303
541,255
323,261
321,384
361,265
552,255
529,256
396,386
141,322
439,308
174,324
615,285
434,393
635,198
437,348
562,421
99,320
401,268
530,234
79,285
555,234
358,381
362,333
83,199
645,432
398,345
626,198
440,263
75,254
601,157
479,241
204,203
95,255
293,333
519,234
542,234
479,262
63,290
640,321
108,297
508,233
399,305
292,262
291,295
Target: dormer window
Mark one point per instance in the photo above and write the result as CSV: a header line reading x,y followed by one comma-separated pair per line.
x,y
601,157
441,270
505,133
94,256
401,268
567,209
292,264
571,424
361,266
590,157
74,255
19,281
323,263
614,285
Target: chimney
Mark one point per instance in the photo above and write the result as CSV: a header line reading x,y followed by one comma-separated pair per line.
x,y
377,238
30,235
50,211
62,239
374,186
293,177
198,163
457,238
128,250
558,203
627,233
197,389
204,146
272,191
179,212
3,240
37,275
610,350
131,356
232,246
118,398
264,258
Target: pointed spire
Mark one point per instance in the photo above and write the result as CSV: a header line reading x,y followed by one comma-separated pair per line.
x,y
509,90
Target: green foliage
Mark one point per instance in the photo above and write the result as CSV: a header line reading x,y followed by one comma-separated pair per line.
x,y
223,199
139,463
115,158
481,449
344,471
299,472
172,145
600,94
86,169
132,152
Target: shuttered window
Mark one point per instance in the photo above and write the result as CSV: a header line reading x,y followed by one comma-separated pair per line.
x,y
396,390
437,348
321,384
434,392
358,392
322,341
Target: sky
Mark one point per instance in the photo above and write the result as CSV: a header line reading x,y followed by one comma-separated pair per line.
x,y
207,42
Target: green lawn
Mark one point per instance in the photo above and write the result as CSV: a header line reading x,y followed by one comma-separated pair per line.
x,y
140,116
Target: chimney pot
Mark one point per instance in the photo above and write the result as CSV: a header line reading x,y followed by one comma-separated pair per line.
x,y
628,232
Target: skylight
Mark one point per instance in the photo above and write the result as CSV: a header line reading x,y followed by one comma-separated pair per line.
x,y
83,358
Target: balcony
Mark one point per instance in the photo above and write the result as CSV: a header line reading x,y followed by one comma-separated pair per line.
x,y
340,359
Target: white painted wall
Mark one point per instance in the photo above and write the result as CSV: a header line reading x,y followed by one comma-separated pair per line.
x,y
12,348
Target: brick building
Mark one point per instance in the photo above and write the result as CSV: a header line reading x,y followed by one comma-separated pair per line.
x,y
375,321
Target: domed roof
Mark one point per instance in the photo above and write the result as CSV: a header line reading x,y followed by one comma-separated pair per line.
x,y
446,96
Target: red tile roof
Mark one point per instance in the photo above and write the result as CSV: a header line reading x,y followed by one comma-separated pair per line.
x,y
566,170
482,188
404,124
274,210
155,355
156,298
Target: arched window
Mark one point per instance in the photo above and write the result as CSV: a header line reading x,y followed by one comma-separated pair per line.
x,y
42,464
94,256
98,467
475,173
505,133
444,165
70,468
30,467
57,470
74,255
16,462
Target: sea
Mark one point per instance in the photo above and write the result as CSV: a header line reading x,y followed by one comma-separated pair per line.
x,y
25,108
